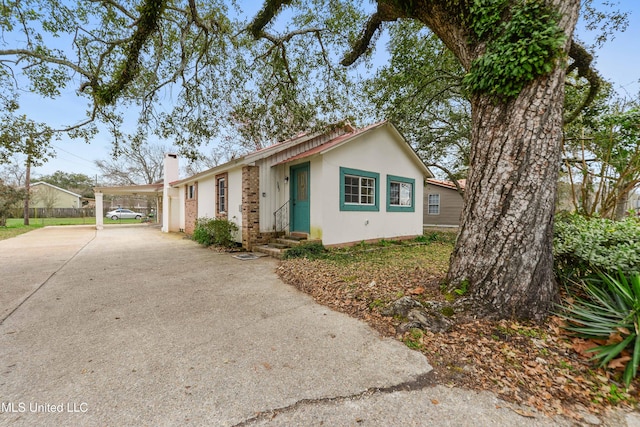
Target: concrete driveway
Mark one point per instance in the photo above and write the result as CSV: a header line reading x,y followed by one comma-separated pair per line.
x,y
130,326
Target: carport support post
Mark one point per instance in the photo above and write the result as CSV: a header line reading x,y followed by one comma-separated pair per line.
x,y
99,210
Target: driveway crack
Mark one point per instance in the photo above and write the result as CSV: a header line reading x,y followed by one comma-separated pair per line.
x,y
420,382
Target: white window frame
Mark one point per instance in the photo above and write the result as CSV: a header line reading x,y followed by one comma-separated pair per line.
x,y
222,194
368,189
435,204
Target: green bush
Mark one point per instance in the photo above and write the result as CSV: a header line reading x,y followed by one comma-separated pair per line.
x,y
219,232
609,311
437,236
582,246
307,250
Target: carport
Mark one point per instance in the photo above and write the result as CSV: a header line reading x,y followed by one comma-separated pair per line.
x,y
161,190
127,190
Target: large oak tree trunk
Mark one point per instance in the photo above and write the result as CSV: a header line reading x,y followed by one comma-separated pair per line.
x,y
504,246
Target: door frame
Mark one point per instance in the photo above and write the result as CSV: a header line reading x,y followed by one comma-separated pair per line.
x,y
306,212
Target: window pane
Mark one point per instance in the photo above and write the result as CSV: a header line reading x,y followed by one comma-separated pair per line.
x,y
301,181
394,193
405,194
434,204
351,189
222,195
367,191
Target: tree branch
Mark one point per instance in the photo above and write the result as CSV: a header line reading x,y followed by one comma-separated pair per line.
x,y
118,6
582,62
362,44
385,13
270,9
150,14
46,58
451,176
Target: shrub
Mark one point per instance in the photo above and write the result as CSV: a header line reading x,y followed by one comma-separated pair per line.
x,y
219,232
437,236
609,313
583,246
307,250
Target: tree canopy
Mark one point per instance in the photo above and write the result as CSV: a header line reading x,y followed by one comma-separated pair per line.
x,y
10,198
602,155
76,182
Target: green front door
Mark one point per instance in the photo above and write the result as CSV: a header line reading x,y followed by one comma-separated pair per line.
x,y
300,217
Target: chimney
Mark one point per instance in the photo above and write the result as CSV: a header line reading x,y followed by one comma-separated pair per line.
x,y
171,168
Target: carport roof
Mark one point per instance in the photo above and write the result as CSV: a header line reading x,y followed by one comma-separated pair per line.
x,y
129,190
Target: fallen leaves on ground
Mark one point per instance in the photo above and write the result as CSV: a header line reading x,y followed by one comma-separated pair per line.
x,y
535,365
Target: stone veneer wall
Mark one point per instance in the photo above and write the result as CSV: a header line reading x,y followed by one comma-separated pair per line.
x,y
190,209
251,235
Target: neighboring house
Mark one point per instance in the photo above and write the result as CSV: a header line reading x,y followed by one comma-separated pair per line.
x,y
341,186
48,196
634,201
443,203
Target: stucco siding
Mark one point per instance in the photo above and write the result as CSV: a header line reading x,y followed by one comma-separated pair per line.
x,y
317,191
377,152
174,206
207,198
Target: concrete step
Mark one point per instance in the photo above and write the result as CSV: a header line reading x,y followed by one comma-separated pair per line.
x,y
298,236
287,242
271,251
293,242
277,247
279,244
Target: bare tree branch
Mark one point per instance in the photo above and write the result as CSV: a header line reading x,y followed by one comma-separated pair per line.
x,y
46,58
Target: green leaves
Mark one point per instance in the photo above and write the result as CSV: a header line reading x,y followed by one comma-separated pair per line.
x,y
610,313
421,92
9,199
522,43
18,134
219,232
582,245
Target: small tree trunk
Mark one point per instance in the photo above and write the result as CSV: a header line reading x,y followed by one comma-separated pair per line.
x,y
504,247
27,187
621,201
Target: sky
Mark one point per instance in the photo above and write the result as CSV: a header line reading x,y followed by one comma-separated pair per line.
x,y
617,61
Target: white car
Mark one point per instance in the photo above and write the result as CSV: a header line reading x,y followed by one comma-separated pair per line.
x,y
123,214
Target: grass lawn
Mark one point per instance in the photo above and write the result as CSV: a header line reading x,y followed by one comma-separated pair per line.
x,y
15,226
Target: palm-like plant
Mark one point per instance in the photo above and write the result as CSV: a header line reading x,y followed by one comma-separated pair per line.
x,y
610,308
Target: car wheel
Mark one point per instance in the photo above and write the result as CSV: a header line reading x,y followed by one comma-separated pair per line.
x,y
138,217
114,217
